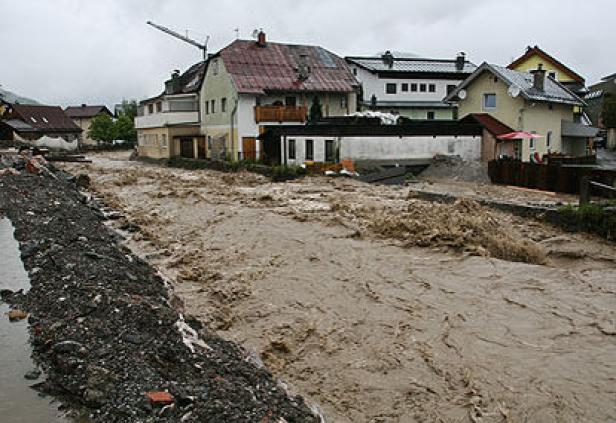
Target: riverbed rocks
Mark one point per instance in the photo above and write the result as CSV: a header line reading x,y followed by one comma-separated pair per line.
x,y
104,330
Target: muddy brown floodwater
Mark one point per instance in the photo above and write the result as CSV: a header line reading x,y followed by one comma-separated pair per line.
x,y
377,306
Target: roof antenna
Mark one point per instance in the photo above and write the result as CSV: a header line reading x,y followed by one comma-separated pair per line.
x,y
237,33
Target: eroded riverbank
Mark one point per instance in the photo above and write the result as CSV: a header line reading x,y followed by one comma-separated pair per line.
x,y
364,322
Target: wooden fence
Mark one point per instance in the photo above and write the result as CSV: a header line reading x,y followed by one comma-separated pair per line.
x,y
548,177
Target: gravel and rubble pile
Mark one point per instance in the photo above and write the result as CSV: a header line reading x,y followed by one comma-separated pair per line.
x,y
457,169
104,330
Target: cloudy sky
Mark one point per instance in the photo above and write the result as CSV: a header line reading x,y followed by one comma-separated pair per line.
x,y
85,51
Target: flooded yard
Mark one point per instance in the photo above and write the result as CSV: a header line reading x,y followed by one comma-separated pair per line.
x,y
377,306
18,401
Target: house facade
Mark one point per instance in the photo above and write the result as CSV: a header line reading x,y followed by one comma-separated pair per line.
x,y
410,87
531,102
169,125
251,84
29,122
83,116
555,69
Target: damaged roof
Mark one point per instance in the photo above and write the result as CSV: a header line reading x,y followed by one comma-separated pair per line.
x,y
189,82
84,111
276,67
44,118
412,65
553,92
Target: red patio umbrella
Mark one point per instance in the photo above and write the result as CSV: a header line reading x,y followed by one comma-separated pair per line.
x,y
519,135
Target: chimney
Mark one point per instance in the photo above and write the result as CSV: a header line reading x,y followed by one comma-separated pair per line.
x,y
172,86
83,105
388,59
261,39
539,77
460,61
303,70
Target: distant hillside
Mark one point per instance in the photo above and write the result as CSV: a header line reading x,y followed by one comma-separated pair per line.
x,y
11,97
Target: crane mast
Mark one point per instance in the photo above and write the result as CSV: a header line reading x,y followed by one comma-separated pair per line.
x,y
202,47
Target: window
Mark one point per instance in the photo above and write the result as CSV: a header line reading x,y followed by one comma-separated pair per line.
x,y
45,119
414,88
290,101
405,88
548,139
489,101
150,108
32,119
207,107
430,115
450,88
532,143
391,88
213,106
355,71
552,75
159,107
309,150
291,149
329,151
432,88
209,141
223,105
163,142
343,102
215,67
422,88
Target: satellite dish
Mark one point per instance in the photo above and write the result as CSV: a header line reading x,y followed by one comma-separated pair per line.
x,y
513,91
462,94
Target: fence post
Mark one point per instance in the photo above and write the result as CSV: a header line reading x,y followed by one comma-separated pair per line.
x,y
584,190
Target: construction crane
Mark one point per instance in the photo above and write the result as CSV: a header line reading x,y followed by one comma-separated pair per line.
x,y
202,47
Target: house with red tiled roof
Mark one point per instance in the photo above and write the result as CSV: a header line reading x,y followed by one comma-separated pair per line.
x,y
253,83
83,116
29,122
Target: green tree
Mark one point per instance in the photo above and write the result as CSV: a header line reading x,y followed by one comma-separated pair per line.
x,y
608,114
103,128
316,111
125,128
129,108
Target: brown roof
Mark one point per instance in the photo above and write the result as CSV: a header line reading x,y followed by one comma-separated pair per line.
x,y
84,111
489,123
274,67
531,51
45,118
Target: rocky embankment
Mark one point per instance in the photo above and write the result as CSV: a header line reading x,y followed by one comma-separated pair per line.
x,y
104,329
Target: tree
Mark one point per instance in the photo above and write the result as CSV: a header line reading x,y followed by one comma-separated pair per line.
x,y
608,114
316,111
125,128
129,108
102,129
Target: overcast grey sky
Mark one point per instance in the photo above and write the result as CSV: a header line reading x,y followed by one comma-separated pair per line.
x,y
100,51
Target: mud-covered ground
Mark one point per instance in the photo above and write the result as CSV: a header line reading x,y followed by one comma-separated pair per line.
x,y
105,329
378,306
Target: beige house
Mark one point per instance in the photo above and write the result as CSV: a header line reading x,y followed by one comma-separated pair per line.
x,y
83,116
527,101
169,125
250,84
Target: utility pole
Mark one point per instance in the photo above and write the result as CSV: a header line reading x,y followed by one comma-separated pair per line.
x,y
202,47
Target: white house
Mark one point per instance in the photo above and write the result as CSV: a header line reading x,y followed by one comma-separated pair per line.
x,y
411,87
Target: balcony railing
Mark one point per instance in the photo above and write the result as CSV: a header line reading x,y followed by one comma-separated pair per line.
x,y
280,114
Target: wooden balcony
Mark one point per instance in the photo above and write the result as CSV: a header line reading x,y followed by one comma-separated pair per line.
x,y
280,114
